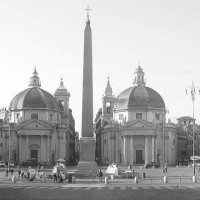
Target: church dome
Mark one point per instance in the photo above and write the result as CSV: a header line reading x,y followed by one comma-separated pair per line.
x,y
139,96
34,97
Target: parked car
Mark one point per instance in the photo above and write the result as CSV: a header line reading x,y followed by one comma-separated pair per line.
x,y
12,164
2,163
30,162
151,164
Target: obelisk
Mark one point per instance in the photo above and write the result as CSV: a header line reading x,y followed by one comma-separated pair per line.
x,y
87,140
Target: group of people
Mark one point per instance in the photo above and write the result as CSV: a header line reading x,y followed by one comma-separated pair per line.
x,y
9,170
99,176
58,174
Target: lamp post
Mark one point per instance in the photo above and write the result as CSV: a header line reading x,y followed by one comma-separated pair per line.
x,y
163,155
9,145
192,90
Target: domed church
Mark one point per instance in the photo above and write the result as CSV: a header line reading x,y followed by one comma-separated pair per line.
x,y
130,127
39,126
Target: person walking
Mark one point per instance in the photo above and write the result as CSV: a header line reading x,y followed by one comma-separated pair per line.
x,y
99,176
11,171
165,168
28,176
22,174
19,173
7,172
55,177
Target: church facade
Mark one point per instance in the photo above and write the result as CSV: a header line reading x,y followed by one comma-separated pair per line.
x,y
38,126
131,128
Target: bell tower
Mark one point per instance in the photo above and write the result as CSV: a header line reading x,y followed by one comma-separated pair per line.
x,y
108,101
62,97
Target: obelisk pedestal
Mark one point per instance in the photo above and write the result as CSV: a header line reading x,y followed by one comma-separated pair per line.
x,y
87,154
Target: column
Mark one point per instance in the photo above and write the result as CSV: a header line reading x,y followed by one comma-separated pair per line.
x,y
41,148
124,150
131,150
146,149
64,145
27,149
48,149
153,148
156,156
113,149
20,148
116,150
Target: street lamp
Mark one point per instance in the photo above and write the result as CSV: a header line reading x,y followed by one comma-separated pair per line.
x,y
9,146
163,118
192,90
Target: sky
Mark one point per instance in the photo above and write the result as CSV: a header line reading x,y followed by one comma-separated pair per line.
x,y
162,36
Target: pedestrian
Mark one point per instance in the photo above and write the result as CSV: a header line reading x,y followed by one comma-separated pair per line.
x,y
11,171
28,176
166,168
60,178
55,177
7,172
22,173
38,168
19,173
99,176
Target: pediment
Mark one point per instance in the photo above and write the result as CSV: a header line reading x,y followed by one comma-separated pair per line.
x,y
137,124
33,124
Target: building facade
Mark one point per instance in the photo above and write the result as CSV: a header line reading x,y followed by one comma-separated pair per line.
x,y
38,126
132,129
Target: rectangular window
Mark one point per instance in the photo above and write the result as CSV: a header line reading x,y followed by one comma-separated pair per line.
x,y
50,117
157,116
34,115
138,115
121,116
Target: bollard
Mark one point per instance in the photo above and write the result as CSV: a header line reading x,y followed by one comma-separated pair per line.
x,y
143,175
136,180
14,179
194,180
106,180
165,179
73,179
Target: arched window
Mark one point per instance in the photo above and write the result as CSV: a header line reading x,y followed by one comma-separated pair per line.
x,y
108,107
61,104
